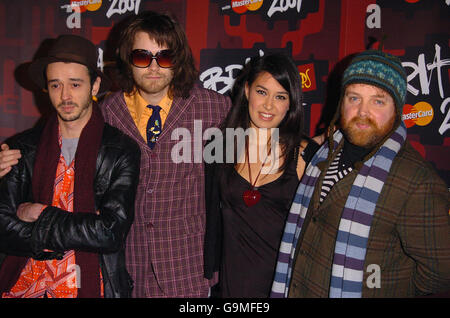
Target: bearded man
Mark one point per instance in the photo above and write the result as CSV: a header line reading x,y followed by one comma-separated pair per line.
x,y
67,205
371,216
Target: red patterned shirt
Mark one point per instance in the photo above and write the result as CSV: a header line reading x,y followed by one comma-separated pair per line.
x,y
53,278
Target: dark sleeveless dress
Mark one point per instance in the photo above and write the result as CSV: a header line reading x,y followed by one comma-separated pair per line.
x,y
252,235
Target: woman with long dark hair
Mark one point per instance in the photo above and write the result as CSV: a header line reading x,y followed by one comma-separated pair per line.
x,y
248,197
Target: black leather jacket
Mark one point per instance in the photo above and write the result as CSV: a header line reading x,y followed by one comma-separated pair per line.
x,y
115,184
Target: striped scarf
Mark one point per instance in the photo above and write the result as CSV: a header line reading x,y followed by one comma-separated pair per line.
x,y
356,219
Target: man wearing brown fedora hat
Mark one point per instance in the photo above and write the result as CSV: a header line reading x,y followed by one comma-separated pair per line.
x,y
67,206
164,251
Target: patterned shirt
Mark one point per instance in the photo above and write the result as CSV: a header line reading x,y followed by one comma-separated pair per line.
x,y
337,171
53,278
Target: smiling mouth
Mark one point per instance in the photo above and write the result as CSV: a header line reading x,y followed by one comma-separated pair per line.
x,y
266,116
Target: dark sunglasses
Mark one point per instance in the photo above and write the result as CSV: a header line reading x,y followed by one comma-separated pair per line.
x,y
143,58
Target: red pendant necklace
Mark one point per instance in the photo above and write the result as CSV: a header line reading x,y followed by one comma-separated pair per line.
x,y
252,196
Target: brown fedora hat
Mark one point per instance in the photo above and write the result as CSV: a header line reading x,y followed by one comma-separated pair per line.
x,y
72,49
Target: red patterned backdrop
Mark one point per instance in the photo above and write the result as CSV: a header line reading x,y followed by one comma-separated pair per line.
x,y
318,34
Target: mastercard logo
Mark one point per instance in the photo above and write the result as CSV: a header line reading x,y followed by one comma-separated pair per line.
x,y
241,6
83,5
420,114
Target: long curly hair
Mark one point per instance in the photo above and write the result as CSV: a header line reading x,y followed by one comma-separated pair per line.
x,y
164,30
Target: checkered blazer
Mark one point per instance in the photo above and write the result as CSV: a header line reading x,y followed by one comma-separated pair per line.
x,y
165,244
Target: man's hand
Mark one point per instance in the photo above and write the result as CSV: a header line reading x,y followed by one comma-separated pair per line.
x,y
8,158
29,212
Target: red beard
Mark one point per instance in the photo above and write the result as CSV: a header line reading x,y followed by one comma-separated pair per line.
x,y
368,137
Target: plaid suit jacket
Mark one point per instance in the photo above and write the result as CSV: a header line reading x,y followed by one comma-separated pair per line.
x,y
409,237
164,249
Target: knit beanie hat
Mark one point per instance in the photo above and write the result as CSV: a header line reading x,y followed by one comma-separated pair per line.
x,y
381,69
378,68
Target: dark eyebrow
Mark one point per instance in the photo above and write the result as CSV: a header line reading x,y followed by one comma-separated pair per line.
x,y
76,79
284,92
71,79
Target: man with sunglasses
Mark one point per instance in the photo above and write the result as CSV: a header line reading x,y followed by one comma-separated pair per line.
x,y
158,75
164,248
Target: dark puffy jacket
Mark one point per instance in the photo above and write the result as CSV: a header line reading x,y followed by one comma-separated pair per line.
x,y
115,184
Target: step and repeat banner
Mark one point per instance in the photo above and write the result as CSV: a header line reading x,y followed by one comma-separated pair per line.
x,y
320,35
